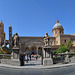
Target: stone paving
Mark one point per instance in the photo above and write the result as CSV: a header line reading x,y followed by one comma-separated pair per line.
x,y
33,62
36,64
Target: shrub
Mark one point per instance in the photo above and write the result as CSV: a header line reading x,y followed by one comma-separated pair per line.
x,y
1,53
54,52
62,49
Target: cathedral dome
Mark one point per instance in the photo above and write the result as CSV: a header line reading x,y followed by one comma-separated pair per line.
x,y
57,25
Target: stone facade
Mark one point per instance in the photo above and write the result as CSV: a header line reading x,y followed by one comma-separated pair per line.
x,y
31,44
35,44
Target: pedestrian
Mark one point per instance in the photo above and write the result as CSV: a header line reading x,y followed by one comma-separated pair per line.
x,y
30,57
36,57
26,57
21,58
62,58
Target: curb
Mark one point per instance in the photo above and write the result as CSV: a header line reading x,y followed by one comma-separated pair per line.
x,y
36,67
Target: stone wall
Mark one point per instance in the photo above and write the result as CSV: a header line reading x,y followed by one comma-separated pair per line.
x,y
10,62
31,41
58,40
64,38
37,42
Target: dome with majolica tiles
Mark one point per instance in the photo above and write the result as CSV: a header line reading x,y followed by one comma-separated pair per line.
x,y
57,25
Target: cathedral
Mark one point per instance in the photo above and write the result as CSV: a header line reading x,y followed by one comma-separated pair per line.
x,y
35,45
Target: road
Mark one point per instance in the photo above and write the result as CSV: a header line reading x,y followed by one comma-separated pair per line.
x,y
70,70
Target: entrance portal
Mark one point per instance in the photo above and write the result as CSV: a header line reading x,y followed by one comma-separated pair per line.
x,y
32,53
33,50
33,58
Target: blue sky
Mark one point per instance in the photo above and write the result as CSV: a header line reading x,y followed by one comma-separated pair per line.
x,y
36,17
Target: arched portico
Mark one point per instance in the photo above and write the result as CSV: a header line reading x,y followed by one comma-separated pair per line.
x,y
27,50
33,50
39,50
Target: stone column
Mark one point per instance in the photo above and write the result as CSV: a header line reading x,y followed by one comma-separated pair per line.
x,y
49,53
47,61
37,50
43,52
12,55
42,57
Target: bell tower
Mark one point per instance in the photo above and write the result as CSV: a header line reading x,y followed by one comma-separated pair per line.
x,y
2,33
10,37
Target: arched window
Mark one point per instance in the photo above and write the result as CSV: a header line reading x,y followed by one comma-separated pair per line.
x,y
65,41
40,50
33,50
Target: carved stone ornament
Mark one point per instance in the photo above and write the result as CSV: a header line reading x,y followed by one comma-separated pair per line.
x,y
46,39
16,39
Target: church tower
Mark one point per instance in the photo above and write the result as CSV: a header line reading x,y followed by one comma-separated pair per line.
x,y
2,34
57,29
10,37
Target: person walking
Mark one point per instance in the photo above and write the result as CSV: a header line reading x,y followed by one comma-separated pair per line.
x,y
21,58
36,57
30,57
26,57
62,58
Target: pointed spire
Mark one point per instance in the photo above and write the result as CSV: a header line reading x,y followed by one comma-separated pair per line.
x,y
10,25
1,21
57,21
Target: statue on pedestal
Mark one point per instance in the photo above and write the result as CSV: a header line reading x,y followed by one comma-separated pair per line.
x,y
46,39
16,39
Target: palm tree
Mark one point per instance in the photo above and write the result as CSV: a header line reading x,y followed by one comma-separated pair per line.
x,y
69,44
62,45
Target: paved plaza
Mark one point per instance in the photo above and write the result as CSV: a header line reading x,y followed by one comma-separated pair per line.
x,y
33,62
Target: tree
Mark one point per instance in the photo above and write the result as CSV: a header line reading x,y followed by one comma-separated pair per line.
x,y
62,49
54,52
69,44
62,45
